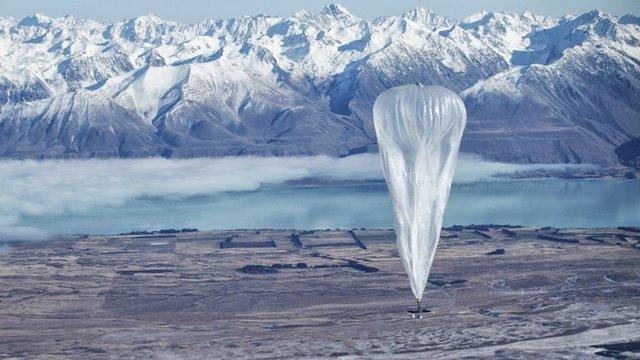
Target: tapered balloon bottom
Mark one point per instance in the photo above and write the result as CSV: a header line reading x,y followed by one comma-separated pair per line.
x,y
419,310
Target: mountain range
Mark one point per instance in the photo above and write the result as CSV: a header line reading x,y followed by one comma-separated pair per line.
x,y
537,89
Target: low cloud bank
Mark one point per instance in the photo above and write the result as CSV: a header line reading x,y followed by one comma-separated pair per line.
x,y
472,168
53,187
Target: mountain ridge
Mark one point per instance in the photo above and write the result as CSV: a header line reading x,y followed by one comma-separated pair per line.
x,y
537,89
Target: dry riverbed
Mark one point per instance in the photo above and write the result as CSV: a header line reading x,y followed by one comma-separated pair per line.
x,y
494,292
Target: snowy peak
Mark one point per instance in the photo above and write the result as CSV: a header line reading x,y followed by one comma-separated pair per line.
x,y
34,20
549,44
335,10
594,22
149,29
504,21
505,33
332,16
629,19
428,18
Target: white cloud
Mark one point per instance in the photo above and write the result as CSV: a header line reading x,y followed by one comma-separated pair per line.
x,y
472,168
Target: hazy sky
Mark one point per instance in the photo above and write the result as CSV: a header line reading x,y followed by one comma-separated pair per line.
x,y
189,11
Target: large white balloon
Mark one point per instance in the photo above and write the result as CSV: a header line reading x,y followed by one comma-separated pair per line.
x,y
419,129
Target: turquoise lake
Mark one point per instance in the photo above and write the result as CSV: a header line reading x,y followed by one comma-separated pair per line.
x,y
548,202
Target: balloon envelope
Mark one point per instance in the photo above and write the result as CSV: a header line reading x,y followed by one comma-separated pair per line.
x,y
419,129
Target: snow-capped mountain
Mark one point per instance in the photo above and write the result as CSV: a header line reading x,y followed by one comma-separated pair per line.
x,y
537,89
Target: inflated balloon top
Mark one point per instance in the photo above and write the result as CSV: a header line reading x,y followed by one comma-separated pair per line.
x,y
419,129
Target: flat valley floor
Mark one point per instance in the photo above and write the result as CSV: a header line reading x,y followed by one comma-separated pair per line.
x,y
494,292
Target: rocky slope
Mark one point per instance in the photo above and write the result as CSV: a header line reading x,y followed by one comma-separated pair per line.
x,y
537,89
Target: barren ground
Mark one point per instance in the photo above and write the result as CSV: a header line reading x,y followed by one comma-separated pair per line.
x,y
327,294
